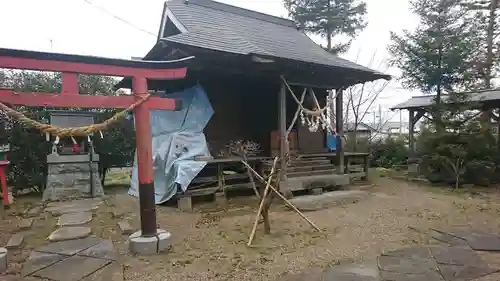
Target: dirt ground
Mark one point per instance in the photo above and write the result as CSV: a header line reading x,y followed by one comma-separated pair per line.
x,y
210,243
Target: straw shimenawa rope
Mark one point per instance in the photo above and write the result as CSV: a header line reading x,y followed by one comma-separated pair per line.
x,y
67,132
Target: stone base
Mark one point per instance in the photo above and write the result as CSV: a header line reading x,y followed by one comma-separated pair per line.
x,y
413,169
72,180
3,260
325,200
145,246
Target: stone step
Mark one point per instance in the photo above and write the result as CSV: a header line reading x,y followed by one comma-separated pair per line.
x,y
15,241
325,200
310,168
311,173
305,182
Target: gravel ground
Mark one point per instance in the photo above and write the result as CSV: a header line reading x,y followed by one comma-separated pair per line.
x,y
210,243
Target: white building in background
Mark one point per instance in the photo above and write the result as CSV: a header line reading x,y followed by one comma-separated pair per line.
x,y
380,131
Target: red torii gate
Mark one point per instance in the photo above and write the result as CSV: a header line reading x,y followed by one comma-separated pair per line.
x,y
72,65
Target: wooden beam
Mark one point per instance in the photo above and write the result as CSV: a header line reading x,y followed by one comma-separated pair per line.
x,y
411,134
86,68
69,83
283,131
420,114
339,108
83,101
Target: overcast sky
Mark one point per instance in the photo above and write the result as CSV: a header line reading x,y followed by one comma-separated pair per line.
x,y
89,27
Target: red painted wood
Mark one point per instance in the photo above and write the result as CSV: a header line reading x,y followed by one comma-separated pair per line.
x,y
82,101
3,182
143,133
77,67
69,83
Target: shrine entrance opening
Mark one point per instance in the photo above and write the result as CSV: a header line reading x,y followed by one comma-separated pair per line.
x,y
140,102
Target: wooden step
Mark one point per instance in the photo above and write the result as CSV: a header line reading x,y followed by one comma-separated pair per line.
x,y
215,179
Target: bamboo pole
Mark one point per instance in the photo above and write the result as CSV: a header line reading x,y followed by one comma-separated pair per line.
x,y
261,205
252,181
283,198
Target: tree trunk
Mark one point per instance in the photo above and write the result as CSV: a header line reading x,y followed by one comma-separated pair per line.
x,y
328,29
437,118
486,116
489,43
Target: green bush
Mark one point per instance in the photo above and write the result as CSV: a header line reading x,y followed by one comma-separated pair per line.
x,y
468,155
389,152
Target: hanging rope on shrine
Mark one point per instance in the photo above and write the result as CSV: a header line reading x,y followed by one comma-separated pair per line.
x,y
315,118
70,132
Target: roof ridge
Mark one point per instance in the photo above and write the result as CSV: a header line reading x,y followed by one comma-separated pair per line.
x,y
239,11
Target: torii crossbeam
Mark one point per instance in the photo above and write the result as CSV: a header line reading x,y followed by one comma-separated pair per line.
x,y
140,71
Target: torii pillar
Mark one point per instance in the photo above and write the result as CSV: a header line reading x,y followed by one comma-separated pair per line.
x,y
149,240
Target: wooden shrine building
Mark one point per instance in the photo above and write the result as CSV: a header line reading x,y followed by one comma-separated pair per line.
x,y
244,61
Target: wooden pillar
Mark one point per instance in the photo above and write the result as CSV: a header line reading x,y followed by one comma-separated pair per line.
x,y
498,127
147,205
339,127
283,129
411,136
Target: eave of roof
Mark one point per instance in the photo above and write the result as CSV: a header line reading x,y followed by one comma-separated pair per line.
x,y
422,102
239,44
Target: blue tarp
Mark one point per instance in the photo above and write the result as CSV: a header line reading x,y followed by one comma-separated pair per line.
x,y
331,141
177,138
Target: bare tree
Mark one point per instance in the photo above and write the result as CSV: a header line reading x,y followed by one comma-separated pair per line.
x,y
359,101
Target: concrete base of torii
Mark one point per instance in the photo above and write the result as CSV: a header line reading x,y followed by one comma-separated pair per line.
x,y
146,246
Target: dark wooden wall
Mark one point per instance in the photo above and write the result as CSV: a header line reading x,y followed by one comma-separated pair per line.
x,y
244,109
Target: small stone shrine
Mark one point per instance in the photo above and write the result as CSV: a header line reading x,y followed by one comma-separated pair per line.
x,y
69,165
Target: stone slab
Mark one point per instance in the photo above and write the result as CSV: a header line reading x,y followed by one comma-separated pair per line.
x,y
125,227
396,276
70,247
111,272
116,214
25,224
353,272
409,266
39,260
15,241
73,203
103,250
305,276
73,268
328,199
415,253
76,206
71,219
33,212
477,241
457,256
143,245
164,241
462,273
69,233
3,259
448,239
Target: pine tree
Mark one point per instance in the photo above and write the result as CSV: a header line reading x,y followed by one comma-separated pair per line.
x,y
439,56
329,19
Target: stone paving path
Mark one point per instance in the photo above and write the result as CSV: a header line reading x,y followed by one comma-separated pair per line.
x,y
71,255
455,260
88,259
